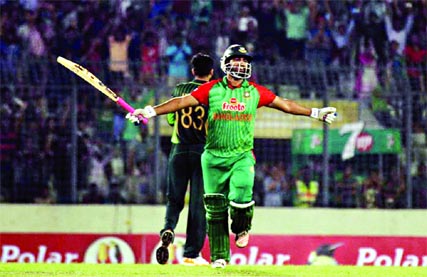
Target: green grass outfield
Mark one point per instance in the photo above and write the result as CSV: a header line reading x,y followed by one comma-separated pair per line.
x,y
122,270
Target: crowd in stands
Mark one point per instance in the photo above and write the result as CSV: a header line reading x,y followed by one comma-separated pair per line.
x,y
275,186
150,43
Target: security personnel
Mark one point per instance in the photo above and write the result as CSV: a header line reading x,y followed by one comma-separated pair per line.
x,y
307,190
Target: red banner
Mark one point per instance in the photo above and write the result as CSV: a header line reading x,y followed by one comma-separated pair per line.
x,y
262,249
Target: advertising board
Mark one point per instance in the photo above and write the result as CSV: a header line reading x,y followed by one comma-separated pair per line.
x,y
262,250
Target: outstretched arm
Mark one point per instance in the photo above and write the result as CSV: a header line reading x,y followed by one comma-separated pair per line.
x,y
289,106
175,104
327,114
171,105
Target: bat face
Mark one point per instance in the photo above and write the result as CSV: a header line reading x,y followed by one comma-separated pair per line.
x,y
88,77
95,82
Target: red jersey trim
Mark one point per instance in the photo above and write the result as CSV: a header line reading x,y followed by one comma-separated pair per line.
x,y
266,96
202,92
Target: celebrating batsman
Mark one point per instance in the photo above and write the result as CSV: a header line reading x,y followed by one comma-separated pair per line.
x,y
228,160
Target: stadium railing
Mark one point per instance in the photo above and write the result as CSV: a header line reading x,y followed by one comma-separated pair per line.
x,y
57,131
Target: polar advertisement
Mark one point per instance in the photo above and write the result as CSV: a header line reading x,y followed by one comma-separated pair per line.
x,y
262,250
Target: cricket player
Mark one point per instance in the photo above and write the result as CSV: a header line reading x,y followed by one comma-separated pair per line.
x,y
228,160
184,166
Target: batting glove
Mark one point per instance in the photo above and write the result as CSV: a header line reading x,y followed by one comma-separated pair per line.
x,y
327,114
135,117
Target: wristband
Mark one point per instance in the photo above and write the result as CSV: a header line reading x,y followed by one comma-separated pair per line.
x,y
150,112
314,113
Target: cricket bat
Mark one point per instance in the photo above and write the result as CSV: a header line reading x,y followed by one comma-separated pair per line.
x,y
95,82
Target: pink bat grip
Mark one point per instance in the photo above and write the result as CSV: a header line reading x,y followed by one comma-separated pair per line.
x,y
130,109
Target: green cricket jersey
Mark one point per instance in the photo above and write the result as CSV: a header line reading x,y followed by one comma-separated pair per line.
x,y
189,123
231,115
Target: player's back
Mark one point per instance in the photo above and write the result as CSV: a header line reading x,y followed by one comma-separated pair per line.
x,y
189,123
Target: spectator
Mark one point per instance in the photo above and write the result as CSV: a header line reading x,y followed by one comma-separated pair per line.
x,y
297,17
341,48
201,39
97,169
105,128
222,40
369,26
319,42
346,189
115,194
178,53
10,46
117,166
135,138
397,78
415,55
275,187
138,183
398,30
244,24
72,41
383,111
118,49
93,195
393,191
371,190
46,197
93,57
367,78
49,137
150,58
266,18
11,113
35,47
202,10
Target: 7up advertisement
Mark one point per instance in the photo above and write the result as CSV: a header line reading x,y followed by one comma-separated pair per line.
x,y
351,139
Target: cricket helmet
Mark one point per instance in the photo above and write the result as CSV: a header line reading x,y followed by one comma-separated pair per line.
x,y
239,70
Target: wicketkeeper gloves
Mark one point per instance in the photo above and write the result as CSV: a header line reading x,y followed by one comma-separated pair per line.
x,y
147,112
327,114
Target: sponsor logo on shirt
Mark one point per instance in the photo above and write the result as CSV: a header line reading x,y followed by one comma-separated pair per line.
x,y
233,105
232,117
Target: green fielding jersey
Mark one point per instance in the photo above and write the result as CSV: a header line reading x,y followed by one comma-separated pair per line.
x,y
189,123
231,118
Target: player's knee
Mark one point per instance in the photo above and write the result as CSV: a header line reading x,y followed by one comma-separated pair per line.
x,y
216,206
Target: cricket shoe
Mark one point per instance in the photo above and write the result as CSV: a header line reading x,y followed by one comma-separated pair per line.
x,y
242,239
220,263
198,261
162,253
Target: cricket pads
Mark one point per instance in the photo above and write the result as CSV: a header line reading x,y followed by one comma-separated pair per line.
x,y
241,216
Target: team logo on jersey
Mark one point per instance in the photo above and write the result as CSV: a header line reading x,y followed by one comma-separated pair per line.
x,y
233,105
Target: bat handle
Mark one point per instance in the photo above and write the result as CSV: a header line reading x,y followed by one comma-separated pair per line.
x,y
130,109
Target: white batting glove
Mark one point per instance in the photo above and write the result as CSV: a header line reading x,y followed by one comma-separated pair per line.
x,y
135,120
327,114
147,112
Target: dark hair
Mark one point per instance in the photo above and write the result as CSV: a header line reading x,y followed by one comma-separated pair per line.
x,y
202,64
